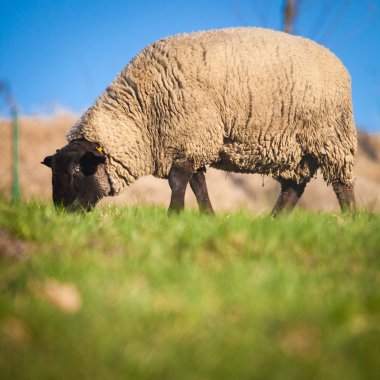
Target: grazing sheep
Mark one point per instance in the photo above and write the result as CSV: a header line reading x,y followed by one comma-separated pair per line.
x,y
246,100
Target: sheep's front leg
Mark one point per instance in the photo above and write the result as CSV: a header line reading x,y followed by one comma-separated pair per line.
x,y
199,187
290,193
178,178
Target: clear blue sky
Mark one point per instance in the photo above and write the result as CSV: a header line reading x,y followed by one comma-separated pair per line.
x,y
64,53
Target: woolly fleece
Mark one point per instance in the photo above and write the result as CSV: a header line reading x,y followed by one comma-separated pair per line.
x,y
247,100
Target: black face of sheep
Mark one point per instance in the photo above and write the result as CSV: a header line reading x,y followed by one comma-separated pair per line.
x,y
78,175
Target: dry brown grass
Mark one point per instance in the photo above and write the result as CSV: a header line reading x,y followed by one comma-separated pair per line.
x,y
40,136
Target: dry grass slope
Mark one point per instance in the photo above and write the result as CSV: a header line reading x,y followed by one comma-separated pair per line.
x,y
40,136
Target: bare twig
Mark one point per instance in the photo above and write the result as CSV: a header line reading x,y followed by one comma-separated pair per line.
x,y
290,12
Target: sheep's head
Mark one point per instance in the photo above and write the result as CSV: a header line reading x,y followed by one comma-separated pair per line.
x,y
78,175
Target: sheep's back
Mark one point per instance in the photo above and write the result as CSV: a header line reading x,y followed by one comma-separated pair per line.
x,y
260,78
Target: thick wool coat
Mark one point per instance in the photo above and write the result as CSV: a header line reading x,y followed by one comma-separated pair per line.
x,y
247,100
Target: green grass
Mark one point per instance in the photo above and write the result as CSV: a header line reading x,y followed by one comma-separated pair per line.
x,y
237,296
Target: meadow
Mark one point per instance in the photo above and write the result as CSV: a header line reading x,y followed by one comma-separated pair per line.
x,y
129,293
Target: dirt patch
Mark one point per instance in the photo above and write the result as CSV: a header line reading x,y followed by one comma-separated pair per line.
x,y
11,247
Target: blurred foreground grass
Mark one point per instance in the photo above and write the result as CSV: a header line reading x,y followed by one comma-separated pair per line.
x,y
128,293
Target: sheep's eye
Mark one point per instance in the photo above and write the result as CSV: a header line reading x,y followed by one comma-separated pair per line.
x,y
76,167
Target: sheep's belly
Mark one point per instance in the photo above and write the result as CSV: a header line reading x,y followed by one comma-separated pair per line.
x,y
278,162
243,158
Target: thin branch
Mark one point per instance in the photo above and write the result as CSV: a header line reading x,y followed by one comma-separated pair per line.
x,y
290,13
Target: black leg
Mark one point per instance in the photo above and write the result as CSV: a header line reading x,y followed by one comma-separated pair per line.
x,y
290,193
345,195
178,179
199,187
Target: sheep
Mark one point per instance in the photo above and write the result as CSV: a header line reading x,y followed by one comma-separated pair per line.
x,y
247,100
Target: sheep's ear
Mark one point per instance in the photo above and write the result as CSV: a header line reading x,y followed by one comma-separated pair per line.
x,y
90,160
96,156
47,161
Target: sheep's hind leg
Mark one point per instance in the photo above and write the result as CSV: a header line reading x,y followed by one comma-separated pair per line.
x,y
178,178
345,195
199,187
290,193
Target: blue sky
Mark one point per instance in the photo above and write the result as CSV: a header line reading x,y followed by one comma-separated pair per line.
x,y
62,54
